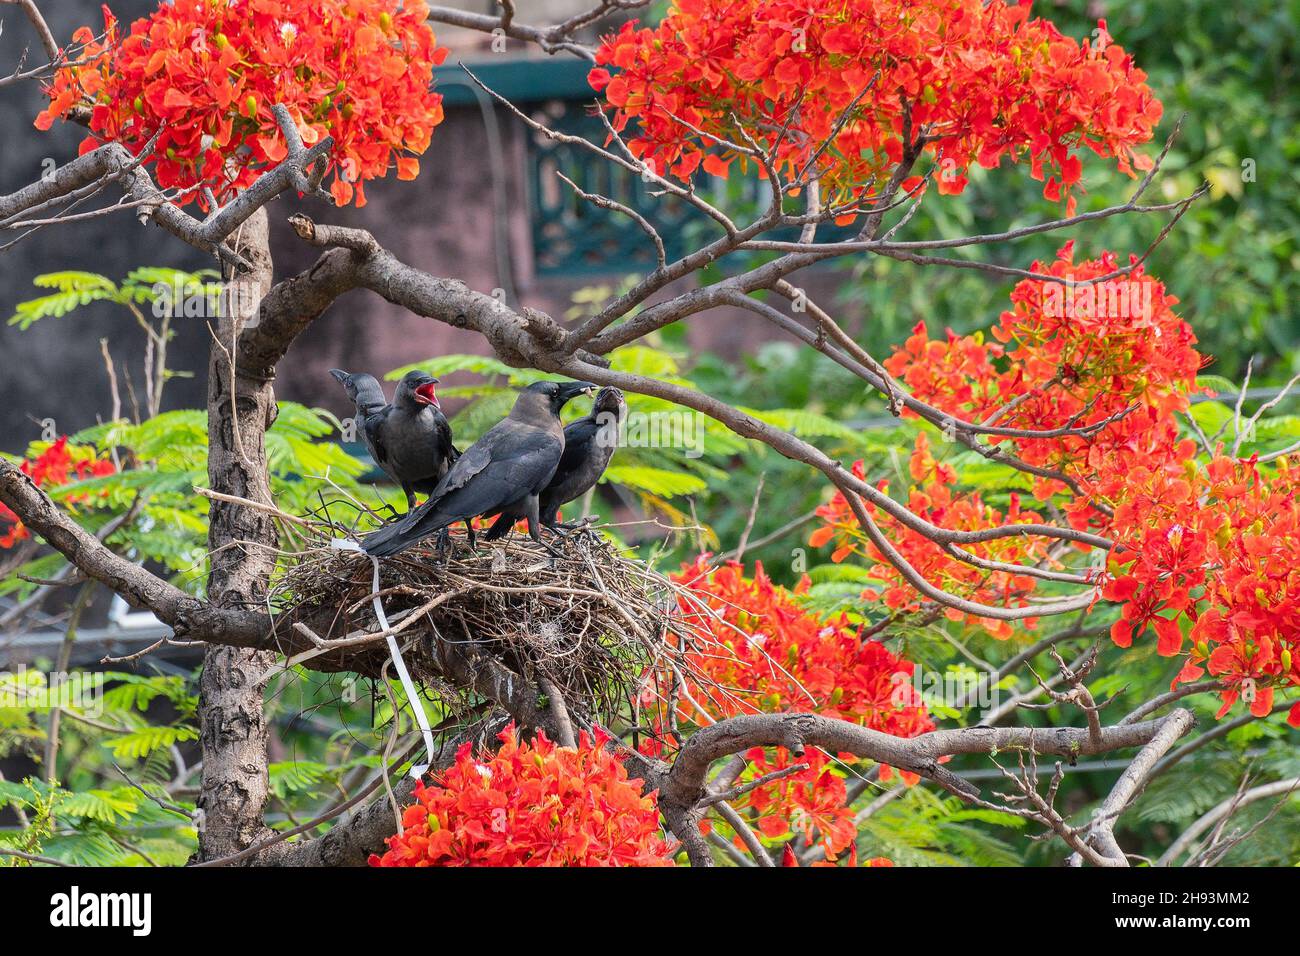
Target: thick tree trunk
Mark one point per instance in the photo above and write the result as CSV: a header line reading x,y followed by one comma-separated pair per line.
x,y
231,716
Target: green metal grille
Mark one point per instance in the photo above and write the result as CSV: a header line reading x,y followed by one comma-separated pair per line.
x,y
571,236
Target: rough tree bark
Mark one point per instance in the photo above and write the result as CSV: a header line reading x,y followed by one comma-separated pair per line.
x,y
233,729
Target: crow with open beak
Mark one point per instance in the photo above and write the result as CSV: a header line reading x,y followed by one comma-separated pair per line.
x,y
409,439
417,437
589,445
505,470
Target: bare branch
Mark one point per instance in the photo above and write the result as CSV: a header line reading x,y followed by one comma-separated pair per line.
x,y
39,25
605,202
1102,834
551,39
114,163
1220,813
682,788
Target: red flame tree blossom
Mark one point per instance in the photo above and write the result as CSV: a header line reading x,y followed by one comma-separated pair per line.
x,y
541,804
535,804
203,76
838,88
59,464
1203,549
772,655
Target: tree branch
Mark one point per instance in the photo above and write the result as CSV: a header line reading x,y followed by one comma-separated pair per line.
x,y
114,163
1220,813
187,615
683,788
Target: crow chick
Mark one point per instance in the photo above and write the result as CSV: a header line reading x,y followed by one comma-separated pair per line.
x,y
589,445
409,439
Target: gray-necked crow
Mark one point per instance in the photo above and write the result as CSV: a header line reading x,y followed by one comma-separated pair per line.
x,y
409,439
588,446
505,470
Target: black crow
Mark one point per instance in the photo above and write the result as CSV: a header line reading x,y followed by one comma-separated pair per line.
x,y
368,396
588,446
505,470
409,439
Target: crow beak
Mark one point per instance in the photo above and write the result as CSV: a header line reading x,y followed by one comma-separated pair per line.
x,y
340,376
426,395
570,390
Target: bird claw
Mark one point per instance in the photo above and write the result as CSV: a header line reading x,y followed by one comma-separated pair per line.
x,y
578,529
440,552
554,551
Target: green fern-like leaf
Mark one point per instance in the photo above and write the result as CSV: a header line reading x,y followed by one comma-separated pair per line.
x,y
74,289
145,740
655,481
106,806
805,423
296,776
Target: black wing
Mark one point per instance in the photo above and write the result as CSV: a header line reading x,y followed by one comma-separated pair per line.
x,y
372,434
578,440
449,452
509,463
579,444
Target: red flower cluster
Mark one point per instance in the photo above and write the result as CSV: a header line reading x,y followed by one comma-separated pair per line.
x,y
58,464
1210,549
203,75
1070,354
981,78
774,656
530,805
1203,550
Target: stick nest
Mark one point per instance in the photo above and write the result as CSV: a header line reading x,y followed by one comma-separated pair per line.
x,y
593,624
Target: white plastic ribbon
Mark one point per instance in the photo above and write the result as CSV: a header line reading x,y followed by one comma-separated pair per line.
x,y
417,704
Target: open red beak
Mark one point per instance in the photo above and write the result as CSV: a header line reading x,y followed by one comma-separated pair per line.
x,y
425,394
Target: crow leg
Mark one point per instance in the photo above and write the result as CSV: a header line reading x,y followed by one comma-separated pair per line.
x,y
410,497
469,533
535,525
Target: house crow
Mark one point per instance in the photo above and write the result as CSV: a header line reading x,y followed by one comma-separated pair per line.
x,y
505,470
588,446
409,439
